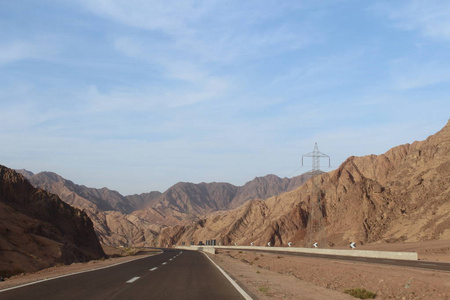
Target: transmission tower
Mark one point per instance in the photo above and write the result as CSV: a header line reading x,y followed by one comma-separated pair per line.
x,y
315,231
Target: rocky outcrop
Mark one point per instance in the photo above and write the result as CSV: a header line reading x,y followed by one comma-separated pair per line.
x,y
39,230
401,195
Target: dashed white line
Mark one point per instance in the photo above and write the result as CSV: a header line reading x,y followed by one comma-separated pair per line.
x,y
164,263
70,274
133,279
153,269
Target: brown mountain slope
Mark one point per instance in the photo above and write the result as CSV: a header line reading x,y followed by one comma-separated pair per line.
x,y
105,208
267,186
183,202
104,199
38,229
188,201
402,195
142,200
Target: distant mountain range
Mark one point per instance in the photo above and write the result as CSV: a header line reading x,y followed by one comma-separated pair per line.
x,y
138,219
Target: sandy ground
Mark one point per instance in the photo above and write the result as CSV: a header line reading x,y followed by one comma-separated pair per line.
x,y
272,276
74,268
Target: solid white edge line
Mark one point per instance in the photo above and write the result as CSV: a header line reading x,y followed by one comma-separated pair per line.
x,y
133,279
236,286
70,274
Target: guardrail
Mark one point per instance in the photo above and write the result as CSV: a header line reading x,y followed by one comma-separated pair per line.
x,y
338,252
209,249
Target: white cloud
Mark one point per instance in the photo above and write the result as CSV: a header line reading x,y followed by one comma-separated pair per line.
x,y
430,17
17,51
171,18
208,31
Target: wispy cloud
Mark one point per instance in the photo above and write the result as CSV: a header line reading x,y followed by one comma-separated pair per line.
x,y
429,17
151,15
20,50
211,30
204,90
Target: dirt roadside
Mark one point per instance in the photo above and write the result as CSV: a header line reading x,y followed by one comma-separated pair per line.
x,y
272,276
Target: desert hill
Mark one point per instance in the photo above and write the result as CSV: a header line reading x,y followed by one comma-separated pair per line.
x,y
401,195
78,195
106,208
138,219
189,201
39,230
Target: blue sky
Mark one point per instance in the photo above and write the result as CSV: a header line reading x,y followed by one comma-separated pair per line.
x,y
138,95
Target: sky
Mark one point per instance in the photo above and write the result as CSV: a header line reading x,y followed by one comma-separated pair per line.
x,y
137,95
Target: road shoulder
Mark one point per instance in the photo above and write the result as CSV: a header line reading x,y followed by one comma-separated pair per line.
x,y
274,276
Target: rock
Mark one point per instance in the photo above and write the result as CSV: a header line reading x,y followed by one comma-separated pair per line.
x,y
41,229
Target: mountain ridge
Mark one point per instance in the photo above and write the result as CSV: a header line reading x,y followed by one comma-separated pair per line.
x,y
401,195
138,219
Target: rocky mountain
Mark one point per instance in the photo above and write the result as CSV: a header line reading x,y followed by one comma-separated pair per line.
x,y
107,209
137,219
267,186
401,195
189,201
39,230
142,200
78,195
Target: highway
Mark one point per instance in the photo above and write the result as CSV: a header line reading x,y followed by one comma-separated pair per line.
x,y
428,265
174,274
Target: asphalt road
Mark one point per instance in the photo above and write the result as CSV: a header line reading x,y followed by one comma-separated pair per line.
x,y
174,274
429,265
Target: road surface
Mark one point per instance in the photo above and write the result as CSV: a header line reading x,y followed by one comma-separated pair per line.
x,y
174,274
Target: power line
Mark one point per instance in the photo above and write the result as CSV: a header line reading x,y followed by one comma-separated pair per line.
x,y
315,232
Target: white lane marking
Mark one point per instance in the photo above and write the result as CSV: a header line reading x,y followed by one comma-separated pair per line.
x,y
133,279
236,286
164,263
170,259
75,273
153,269
425,264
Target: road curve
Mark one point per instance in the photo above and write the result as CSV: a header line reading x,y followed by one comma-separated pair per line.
x,y
173,274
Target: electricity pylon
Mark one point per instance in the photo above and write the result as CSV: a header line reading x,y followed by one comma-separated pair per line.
x,y
315,231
